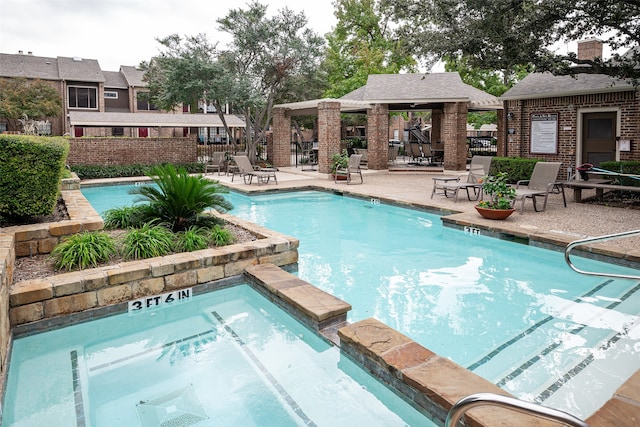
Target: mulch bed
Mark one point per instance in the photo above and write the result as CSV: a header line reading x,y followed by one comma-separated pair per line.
x,y
617,199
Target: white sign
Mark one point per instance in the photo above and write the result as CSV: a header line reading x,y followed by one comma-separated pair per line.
x,y
544,133
472,230
625,144
170,298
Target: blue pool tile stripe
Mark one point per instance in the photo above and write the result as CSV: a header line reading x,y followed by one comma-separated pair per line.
x,y
77,390
555,345
528,331
149,350
285,395
586,361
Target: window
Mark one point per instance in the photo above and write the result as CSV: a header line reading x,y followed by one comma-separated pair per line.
x,y
117,131
111,94
82,97
143,102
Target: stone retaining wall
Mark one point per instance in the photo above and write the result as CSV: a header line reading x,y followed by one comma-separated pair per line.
x,y
37,239
64,294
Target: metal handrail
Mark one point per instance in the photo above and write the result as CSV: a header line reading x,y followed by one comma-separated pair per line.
x,y
599,239
480,399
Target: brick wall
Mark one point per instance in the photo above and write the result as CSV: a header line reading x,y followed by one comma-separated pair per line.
x,y
568,109
128,151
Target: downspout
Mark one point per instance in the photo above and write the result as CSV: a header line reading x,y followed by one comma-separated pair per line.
x,y
521,102
505,130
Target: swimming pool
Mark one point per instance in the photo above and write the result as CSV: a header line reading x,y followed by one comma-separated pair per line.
x,y
514,314
228,358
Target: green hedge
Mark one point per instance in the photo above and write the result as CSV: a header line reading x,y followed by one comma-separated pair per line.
x,y
516,168
116,171
31,169
632,168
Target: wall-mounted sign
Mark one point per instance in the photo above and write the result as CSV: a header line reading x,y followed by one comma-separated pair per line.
x,y
544,133
624,145
157,301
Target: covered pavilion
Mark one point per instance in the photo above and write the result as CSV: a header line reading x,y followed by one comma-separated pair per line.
x,y
445,94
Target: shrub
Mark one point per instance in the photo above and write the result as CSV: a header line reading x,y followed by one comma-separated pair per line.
x,y
628,168
220,236
180,199
127,216
192,239
147,242
83,250
116,171
516,168
31,169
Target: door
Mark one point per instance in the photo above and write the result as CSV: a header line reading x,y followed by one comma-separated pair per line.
x,y
78,132
598,138
143,132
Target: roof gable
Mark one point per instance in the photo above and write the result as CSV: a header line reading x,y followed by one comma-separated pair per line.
x,y
133,76
78,69
114,79
28,66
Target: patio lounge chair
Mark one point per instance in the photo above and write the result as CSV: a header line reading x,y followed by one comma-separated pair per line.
x,y
352,168
215,163
478,169
543,179
247,171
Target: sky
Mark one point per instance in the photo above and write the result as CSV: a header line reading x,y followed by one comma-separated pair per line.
x,y
124,32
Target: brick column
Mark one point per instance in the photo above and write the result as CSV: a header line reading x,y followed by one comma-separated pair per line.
x,y
500,147
328,134
280,155
436,126
454,132
378,136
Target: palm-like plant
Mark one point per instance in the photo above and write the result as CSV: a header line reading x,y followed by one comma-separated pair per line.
x,y
180,199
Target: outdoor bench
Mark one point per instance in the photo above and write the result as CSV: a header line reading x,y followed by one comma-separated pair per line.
x,y
598,185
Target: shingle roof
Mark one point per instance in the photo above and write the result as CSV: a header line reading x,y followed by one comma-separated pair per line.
x,y
546,85
28,66
411,89
79,69
133,76
114,79
421,88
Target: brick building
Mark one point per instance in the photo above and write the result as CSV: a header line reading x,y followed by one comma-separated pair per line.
x,y
589,118
97,103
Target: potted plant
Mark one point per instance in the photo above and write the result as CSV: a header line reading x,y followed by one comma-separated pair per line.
x,y
501,197
341,160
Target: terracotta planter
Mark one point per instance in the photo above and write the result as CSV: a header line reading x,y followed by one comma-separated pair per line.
x,y
494,213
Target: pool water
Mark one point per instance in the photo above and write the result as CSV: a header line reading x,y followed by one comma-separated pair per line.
x,y
514,314
228,358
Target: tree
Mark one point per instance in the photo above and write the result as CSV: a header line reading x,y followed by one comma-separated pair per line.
x,y
274,56
361,44
188,71
493,82
501,35
34,98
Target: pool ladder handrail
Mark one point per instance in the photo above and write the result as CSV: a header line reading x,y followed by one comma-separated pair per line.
x,y
492,399
605,238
